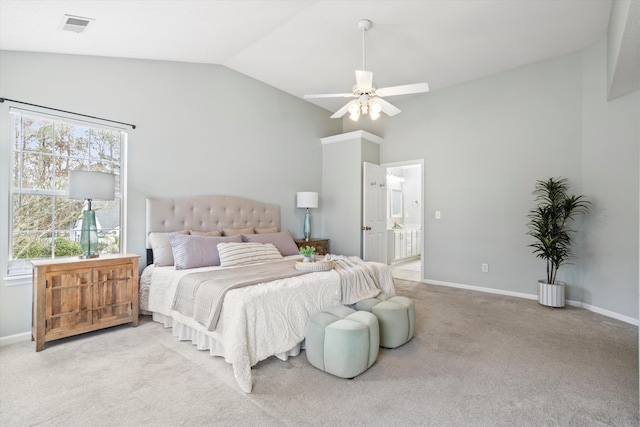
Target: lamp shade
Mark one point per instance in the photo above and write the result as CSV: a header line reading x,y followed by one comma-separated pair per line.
x,y
307,199
91,185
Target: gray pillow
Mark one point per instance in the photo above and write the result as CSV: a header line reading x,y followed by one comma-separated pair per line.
x,y
206,233
197,251
234,231
266,230
282,240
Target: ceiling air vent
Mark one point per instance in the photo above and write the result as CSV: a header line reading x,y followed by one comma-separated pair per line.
x,y
76,24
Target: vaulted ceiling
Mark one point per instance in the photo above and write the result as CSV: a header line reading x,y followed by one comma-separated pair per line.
x,y
306,47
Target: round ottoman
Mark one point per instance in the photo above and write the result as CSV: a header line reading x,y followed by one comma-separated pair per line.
x,y
342,341
396,316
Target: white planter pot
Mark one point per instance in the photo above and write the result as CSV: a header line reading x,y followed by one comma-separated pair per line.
x,y
551,295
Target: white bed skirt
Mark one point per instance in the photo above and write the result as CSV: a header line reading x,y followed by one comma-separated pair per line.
x,y
202,341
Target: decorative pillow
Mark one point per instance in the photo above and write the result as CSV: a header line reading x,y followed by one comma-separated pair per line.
x,y
233,231
197,251
206,233
232,254
266,230
282,241
162,253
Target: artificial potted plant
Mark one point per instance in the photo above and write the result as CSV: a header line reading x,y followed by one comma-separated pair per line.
x,y
307,252
549,225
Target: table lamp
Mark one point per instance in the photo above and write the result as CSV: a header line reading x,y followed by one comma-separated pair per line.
x,y
89,185
307,199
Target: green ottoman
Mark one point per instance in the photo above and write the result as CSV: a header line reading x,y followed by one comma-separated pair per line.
x,y
342,341
396,316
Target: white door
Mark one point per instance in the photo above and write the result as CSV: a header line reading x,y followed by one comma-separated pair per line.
x,y
374,208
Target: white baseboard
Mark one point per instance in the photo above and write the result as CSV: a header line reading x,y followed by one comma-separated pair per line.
x,y
26,336
572,303
604,312
12,339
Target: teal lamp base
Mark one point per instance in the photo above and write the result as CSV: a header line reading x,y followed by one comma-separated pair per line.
x,y
89,235
307,226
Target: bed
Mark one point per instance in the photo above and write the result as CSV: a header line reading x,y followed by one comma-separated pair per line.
x,y
255,319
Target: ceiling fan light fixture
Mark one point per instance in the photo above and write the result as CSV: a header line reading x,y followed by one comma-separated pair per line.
x,y
369,98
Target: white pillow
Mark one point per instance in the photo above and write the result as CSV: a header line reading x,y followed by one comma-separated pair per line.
x,y
232,254
162,253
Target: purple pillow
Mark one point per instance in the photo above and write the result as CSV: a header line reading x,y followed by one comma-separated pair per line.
x,y
197,251
282,240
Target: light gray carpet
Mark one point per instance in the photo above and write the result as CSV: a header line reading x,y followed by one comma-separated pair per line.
x,y
477,359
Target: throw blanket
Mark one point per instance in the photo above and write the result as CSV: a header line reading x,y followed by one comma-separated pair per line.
x,y
358,279
200,295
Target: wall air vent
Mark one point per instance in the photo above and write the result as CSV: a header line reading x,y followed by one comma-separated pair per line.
x,y
76,24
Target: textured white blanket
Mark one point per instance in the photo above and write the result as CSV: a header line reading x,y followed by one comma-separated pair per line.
x,y
358,279
259,321
200,295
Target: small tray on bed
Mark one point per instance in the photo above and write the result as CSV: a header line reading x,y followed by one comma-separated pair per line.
x,y
314,266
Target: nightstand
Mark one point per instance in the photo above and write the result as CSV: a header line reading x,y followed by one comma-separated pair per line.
x,y
72,296
321,245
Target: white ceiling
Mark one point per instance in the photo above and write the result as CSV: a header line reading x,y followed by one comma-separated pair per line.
x,y
305,47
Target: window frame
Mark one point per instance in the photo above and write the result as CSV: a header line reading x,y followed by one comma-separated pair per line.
x,y
22,266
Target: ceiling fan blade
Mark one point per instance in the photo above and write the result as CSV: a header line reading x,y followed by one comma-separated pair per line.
x,y
387,108
329,95
403,90
344,110
364,79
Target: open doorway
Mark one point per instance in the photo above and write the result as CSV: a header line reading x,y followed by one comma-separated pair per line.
x,y
405,222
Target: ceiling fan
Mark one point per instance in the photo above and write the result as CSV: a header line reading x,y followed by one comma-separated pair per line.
x,y
369,100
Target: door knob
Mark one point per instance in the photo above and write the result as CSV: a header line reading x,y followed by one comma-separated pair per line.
x,y
366,228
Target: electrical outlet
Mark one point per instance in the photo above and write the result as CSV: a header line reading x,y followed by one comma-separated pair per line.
x,y
438,215
485,268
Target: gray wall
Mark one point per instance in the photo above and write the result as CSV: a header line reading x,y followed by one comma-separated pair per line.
x,y
623,55
341,192
486,142
204,129
201,129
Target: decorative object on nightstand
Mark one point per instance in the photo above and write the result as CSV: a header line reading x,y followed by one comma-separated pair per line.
x,y
307,252
89,185
72,296
307,200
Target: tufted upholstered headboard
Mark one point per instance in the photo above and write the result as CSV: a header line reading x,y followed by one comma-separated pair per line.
x,y
208,213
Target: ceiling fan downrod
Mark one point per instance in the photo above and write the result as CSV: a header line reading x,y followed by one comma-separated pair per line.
x,y
364,25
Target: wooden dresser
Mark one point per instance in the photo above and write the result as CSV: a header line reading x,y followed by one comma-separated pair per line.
x,y
72,296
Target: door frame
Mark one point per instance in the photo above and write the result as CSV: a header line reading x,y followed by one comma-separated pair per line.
x,y
422,215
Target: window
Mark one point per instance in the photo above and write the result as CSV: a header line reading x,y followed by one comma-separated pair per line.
x,y
44,222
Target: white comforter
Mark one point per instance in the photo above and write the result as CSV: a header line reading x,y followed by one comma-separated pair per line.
x,y
257,321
